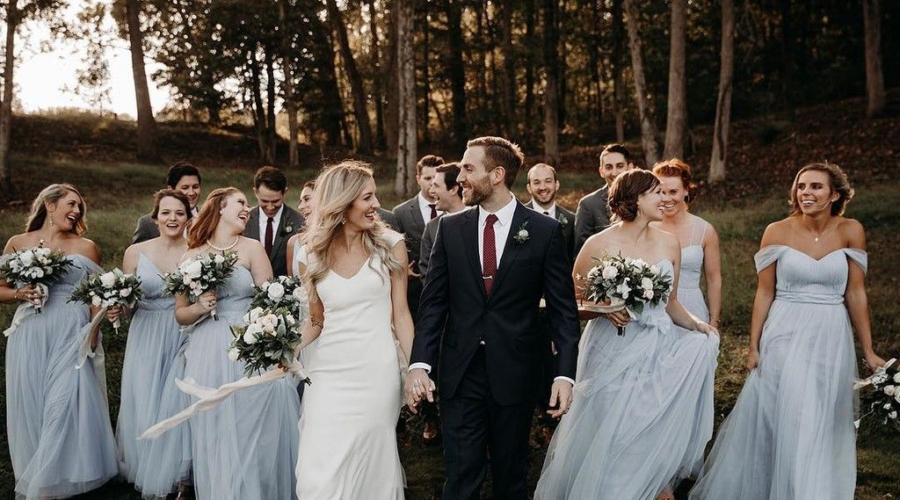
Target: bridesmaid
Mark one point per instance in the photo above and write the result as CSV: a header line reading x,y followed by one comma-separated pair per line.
x,y
791,434
60,439
305,209
153,357
699,242
246,448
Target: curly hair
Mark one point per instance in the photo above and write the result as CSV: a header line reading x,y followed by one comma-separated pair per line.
x,y
680,169
52,194
203,227
837,181
625,191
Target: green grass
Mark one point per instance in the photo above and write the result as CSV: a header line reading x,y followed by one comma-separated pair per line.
x,y
118,193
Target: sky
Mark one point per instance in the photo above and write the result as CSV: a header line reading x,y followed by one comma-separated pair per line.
x,y
41,77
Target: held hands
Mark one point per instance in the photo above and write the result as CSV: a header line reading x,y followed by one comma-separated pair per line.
x,y
29,293
418,387
207,302
561,395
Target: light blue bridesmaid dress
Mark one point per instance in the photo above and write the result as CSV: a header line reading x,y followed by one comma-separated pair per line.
x,y
60,438
152,359
246,448
641,414
689,293
790,435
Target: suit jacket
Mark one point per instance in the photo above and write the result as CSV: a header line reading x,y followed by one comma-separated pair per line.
x,y
387,217
427,244
146,229
591,217
456,315
567,219
410,222
290,224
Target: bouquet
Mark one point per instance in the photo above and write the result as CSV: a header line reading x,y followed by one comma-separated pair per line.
x,y
113,288
623,283
200,274
39,267
282,291
268,338
884,400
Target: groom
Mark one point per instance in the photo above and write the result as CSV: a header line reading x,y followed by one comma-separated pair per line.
x,y
478,314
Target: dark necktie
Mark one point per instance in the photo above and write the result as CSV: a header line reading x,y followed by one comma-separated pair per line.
x,y
433,210
269,236
546,213
489,250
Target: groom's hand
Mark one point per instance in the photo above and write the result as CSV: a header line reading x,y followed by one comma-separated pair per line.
x,y
560,394
418,386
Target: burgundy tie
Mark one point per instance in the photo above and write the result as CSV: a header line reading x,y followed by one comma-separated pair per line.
x,y
433,210
269,236
489,250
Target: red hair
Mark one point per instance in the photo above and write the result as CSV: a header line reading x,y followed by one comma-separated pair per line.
x,y
680,169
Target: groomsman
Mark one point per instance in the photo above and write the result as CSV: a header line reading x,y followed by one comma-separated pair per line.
x,y
410,218
592,215
543,185
271,221
447,194
182,176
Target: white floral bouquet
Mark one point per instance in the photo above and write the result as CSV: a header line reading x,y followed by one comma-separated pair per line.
x,y
39,267
884,400
282,291
113,288
622,283
268,338
200,274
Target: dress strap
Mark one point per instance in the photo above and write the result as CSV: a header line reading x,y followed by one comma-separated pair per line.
x,y
860,257
768,255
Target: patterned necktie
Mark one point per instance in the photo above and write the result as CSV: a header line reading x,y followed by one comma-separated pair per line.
x,y
489,250
269,236
433,210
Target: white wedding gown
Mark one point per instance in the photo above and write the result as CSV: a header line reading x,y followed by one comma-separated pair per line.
x,y
348,442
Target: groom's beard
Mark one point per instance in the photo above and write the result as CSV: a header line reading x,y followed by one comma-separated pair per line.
x,y
476,194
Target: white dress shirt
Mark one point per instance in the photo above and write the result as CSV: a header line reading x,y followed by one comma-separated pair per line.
x,y
264,219
425,209
551,212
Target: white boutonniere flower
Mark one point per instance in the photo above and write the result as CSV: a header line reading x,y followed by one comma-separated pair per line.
x,y
288,229
522,234
561,217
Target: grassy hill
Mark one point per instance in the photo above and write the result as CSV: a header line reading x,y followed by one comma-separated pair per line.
x,y
94,155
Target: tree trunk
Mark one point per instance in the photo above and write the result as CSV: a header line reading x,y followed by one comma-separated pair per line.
x,y
595,93
392,82
645,111
259,112
874,75
12,23
618,34
719,159
289,105
551,92
426,79
405,180
787,59
529,68
377,80
146,125
676,116
457,71
360,110
271,134
562,82
509,70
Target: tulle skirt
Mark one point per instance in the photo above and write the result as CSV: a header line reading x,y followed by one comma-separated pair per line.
x,y
641,416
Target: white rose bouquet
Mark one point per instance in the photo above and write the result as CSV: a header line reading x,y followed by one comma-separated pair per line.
x,y
282,291
113,288
39,267
883,401
268,338
202,273
621,283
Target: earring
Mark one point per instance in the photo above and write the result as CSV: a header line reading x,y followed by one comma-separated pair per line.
x,y
343,221
50,216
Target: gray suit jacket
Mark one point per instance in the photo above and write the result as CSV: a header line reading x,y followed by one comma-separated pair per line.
x,y
409,222
592,216
567,219
387,217
146,230
290,224
427,243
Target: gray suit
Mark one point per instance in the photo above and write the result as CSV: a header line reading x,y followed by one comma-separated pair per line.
x,y
567,219
427,242
387,217
290,224
592,216
146,230
409,221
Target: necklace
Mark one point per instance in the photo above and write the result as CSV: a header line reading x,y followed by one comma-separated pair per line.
x,y
817,236
223,250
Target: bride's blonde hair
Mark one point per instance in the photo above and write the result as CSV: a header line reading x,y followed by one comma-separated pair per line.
x,y
336,189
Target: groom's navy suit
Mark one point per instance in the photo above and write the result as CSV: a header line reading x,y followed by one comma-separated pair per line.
x,y
490,346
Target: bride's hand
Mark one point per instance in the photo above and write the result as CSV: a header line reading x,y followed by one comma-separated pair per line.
x,y
618,318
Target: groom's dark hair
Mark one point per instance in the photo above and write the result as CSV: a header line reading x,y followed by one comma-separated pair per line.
x,y
501,153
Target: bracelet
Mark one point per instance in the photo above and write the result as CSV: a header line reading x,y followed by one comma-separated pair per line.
x,y
313,322
17,293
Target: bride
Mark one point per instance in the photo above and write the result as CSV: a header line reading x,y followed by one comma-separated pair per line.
x,y
354,268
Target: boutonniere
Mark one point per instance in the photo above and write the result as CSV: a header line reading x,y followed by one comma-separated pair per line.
x,y
562,219
288,229
522,234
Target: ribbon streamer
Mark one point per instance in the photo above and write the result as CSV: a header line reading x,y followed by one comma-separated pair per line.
x,y
29,309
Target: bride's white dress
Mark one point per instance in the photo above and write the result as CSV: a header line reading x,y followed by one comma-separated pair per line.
x,y
348,442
